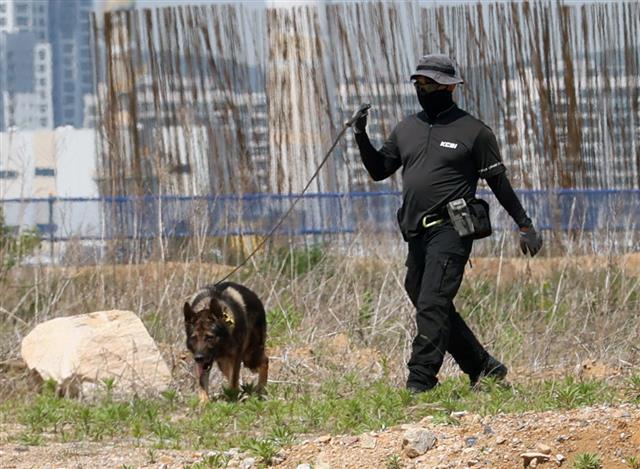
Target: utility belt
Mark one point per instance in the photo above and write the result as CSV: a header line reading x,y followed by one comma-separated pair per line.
x,y
470,218
433,219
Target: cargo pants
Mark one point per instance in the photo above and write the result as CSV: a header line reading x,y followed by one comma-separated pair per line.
x,y
435,267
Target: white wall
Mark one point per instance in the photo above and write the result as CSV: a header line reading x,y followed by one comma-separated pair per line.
x,y
71,153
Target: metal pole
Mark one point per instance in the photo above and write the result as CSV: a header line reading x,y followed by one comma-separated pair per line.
x,y
51,227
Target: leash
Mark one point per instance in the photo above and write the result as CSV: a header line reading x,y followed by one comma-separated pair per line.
x,y
362,111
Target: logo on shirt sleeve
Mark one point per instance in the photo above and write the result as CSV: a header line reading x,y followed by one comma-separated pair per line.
x,y
448,144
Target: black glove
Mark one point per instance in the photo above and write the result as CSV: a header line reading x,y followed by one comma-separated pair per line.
x,y
530,240
360,125
359,119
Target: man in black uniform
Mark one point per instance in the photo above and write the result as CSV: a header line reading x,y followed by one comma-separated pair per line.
x,y
442,151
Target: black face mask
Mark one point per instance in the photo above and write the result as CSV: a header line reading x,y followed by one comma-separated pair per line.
x,y
435,102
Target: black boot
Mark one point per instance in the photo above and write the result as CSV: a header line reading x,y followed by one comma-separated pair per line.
x,y
415,387
492,368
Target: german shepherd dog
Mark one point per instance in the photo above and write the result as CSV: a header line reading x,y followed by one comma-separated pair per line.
x,y
226,324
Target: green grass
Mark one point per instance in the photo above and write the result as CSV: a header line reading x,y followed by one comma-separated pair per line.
x,y
633,462
261,426
283,322
394,462
587,461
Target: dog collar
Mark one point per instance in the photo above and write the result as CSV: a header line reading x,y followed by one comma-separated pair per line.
x,y
228,318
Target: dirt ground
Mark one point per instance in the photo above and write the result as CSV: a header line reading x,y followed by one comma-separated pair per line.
x,y
496,442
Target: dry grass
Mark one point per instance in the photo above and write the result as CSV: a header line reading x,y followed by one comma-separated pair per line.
x,y
341,307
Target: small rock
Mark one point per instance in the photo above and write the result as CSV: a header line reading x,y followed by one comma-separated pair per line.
x,y
545,449
416,442
560,459
500,440
367,442
562,439
163,466
248,463
323,439
459,414
349,440
488,430
531,459
231,452
427,420
21,449
470,441
303,466
472,462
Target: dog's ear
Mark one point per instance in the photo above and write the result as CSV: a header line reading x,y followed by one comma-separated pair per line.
x,y
189,314
215,307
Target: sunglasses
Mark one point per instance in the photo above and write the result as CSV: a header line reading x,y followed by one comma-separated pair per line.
x,y
427,86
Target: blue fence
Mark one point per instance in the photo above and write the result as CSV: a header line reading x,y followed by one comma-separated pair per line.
x,y
324,213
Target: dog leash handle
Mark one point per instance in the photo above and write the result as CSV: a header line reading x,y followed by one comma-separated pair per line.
x,y
363,110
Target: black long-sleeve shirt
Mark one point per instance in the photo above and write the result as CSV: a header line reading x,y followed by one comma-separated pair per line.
x,y
442,160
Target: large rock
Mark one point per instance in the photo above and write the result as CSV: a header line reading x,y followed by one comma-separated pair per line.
x,y
81,352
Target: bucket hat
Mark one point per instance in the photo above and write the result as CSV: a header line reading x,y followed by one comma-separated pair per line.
x,y
440,68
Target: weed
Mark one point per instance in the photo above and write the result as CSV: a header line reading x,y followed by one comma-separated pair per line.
x,y
199,465
31,439
394,462
296,262
365,313
171,395
218,460
634,388
570,394
587,461
264,450
151,456
633,462
195,465
282,436
109,385
282,324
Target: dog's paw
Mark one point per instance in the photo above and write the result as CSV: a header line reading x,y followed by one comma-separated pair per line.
x,y
203,396
231,394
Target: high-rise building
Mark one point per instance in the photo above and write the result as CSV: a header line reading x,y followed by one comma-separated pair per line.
x,y
45,63
70,37
25,15
25,65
